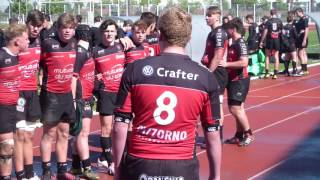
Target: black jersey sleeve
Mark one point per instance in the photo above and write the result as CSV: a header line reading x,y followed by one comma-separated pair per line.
x,y
241,47
219,38
305,22
81,57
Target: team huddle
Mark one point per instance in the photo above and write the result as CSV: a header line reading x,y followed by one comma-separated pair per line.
x,y
149,101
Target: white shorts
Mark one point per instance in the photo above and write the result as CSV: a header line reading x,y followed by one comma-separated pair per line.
x,y
28,126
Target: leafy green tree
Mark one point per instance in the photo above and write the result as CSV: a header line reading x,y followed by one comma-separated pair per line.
x,y
20,6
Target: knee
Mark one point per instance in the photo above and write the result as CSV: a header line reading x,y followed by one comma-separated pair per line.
x,y
6,151
84,133
63,133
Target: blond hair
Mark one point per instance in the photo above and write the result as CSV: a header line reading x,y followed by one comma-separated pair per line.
x,y
66,20
175,25
13,31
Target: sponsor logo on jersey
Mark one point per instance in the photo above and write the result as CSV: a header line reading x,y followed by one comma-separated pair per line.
x,y
72,55
100,52
63,74
29,69
38,51
146,177
115,73
55,46
147,70
176,74
7,61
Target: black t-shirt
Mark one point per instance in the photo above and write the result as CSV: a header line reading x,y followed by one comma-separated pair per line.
x,y
289,34
274,26
302,24
253,32
47,33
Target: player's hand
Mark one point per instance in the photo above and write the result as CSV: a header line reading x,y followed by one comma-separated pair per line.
x,y
99,76
304,43
261,45
127,43
223,63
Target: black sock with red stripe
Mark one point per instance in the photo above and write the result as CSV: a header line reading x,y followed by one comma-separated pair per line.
x,y
29,170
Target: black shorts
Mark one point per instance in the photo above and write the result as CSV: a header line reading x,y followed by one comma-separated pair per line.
x,y
87,105
289,49
134,168
273,44
56,107
106,103
8,118
238,90
28,107
299,42
221,75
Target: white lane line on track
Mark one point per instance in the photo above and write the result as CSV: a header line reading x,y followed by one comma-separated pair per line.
x,y
266,170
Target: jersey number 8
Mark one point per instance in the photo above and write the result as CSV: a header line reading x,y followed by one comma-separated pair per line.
x,y
168,108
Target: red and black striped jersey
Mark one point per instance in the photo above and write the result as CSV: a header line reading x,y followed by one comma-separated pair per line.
x,y
110,63
29,65
167,94
57,62
84,69
235,51
217,38
154,44
139,52
9,78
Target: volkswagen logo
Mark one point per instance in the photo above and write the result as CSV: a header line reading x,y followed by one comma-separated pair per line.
x,y
147,70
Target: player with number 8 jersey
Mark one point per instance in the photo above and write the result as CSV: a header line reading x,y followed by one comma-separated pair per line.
x,y
166,94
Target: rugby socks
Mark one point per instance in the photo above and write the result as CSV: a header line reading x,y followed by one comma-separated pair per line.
x,y
29,171
266,71
304,67
46,167
20,175
286,66
239,135
76,162
275,72
105,143
62,167
86,164
294,67
248,132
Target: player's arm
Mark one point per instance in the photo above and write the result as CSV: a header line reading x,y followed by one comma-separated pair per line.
x,y
81,57
306,31
264,34
122,118
210,117
220,39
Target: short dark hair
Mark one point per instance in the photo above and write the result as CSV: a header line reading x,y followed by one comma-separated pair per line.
x,y
106,23
249,16
47,17
273,12
79,18
35,17
148,17
265,18
213,10
299,9
97,19
235,23
13,20
127,22
83,32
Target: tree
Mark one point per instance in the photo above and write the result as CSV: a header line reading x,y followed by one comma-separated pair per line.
x,y
20,7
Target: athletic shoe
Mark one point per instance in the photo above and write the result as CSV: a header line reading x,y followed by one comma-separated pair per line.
x,y
111,169
295,74
305,73
103,163
283,72
89,174
266,76
67,176
248,139
76,171
35,177
274,76
234,140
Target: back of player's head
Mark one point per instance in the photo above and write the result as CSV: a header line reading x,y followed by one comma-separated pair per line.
x,y
273,12
35,17
213,10
265,18
175,26
79,18
66,20
83,32
13,31
127,22
148,17
235,23
47,17
139,25
109,22
13,20
97,19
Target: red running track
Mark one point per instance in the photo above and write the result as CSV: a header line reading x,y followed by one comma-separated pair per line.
x,y
285,117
